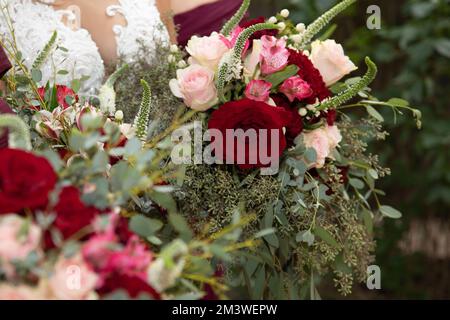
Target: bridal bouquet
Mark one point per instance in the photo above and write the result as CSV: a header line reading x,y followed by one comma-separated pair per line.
x,y
272,103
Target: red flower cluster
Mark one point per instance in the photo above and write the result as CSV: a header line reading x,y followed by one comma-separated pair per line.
x,y
62,92
25,181
249,114
310,74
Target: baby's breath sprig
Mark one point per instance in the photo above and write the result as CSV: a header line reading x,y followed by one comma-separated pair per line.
x,y
234,21
320,23
353,90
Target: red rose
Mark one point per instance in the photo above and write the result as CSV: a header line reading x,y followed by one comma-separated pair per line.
x,y
61,93
249,114
72,214
25,181
134,285
295,126
310,74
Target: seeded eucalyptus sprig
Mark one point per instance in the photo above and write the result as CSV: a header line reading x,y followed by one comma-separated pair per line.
x,y
321,22
349,93
231,65
19,135
237,17
143,116
43,55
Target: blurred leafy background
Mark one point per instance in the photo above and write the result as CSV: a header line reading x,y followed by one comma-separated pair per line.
x,y
412,50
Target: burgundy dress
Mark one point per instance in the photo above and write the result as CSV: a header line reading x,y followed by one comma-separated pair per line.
x,y
203,20
5,65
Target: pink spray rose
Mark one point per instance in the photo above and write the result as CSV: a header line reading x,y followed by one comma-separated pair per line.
x,y
10,292
329,58
296,87
195,85
258,90
274,54
207,51
18,238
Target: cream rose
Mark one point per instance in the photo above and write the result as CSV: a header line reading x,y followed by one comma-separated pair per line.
x,y
207,51
329,58
195,85
323,141
72,279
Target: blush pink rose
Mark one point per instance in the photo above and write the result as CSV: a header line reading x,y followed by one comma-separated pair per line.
x,y
195,85
18,238
323,141
274,54
98,250
258,90
253,59
10,292
73,279
296,88
207,51
329,58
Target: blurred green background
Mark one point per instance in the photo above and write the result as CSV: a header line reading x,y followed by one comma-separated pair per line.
x,y
412,50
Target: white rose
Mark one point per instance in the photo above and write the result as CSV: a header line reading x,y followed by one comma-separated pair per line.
x,y
329,58
207,51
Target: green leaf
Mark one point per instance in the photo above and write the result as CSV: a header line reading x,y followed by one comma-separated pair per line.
x,y
356,183
279,77
397,102
373,173
374,113
390,212
180,225
145,227
305,236
36,75
164,200
326,236
311,155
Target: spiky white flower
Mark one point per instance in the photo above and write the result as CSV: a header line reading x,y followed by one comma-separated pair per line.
x,y
107,98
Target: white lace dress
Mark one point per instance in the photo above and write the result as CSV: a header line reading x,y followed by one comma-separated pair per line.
x,y
34,23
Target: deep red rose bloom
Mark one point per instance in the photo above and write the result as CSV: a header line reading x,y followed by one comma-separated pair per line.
x,y
25,181
311,75
71,213
133,284
61,93
258,34
295,126
331,117
249,114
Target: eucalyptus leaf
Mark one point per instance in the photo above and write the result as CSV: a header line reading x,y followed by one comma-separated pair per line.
x,y
390,212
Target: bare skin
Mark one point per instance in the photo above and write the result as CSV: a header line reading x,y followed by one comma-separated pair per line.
x,y
92,17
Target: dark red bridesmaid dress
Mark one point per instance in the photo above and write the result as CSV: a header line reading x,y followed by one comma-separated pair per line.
x,y
203,20
5,65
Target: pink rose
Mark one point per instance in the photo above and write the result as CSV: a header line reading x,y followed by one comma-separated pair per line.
x,y
73,279
18,238
258,90
274,54
296,87
207,51
323,141
98,250
195,85
329,58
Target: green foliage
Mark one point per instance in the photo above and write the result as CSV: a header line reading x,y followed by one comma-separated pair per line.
x,y
19,137
143,116
236,19
43,55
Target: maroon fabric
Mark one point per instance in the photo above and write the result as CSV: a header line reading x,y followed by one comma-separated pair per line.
x,y
4,108
205,19
5,65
